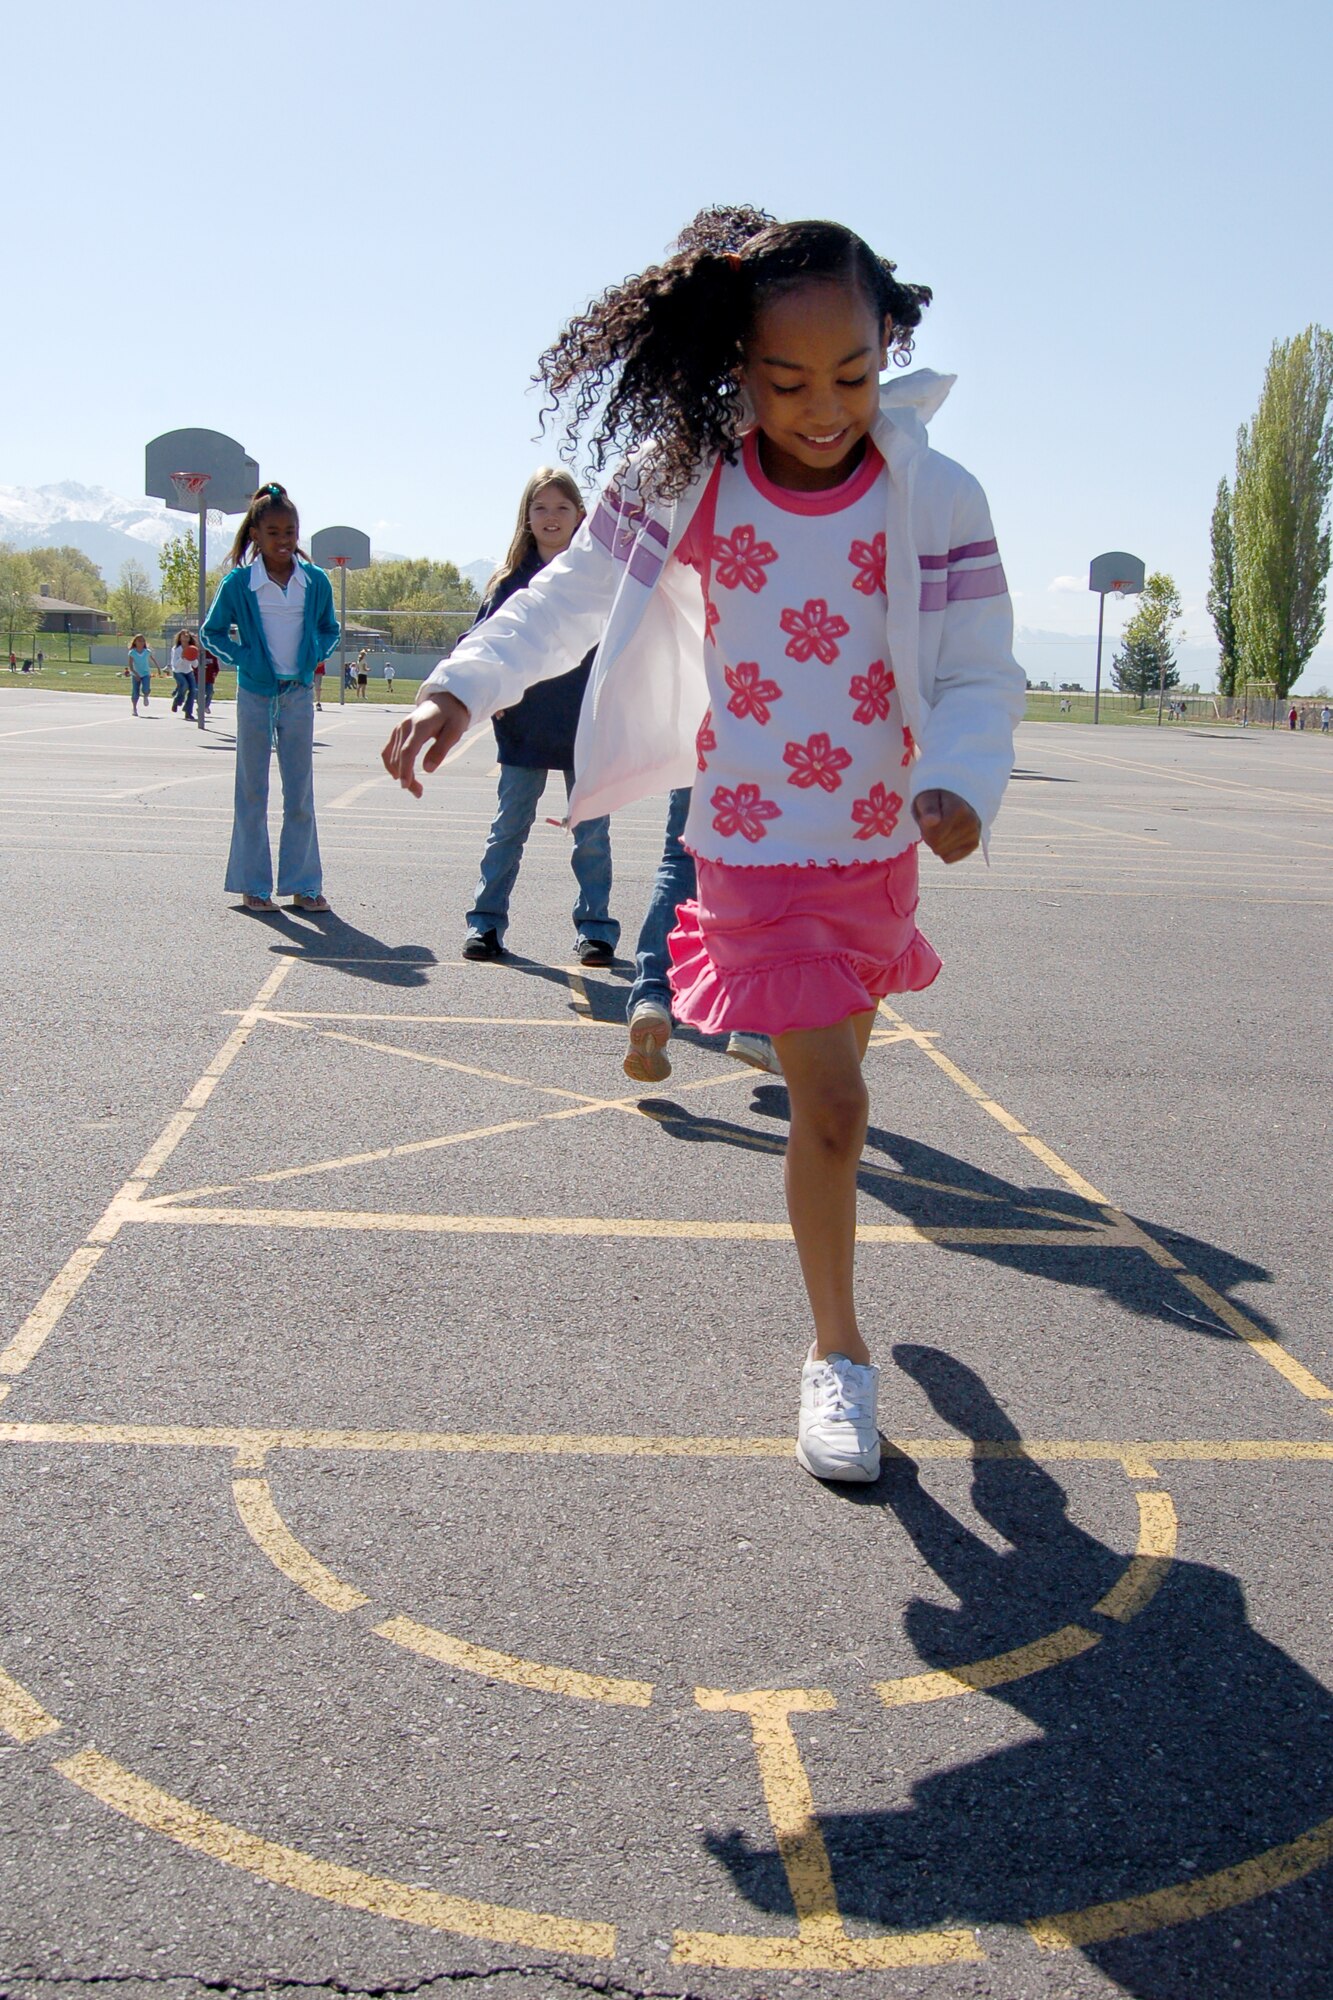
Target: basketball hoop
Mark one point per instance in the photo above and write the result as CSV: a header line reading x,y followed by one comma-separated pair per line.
x,y
188,486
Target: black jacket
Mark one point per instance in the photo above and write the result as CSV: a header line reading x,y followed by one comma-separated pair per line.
x,y
538,731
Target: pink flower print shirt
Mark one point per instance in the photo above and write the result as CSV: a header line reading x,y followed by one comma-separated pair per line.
x,y
801,755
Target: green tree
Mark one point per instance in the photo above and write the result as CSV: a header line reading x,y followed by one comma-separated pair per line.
x,y
1222,589
18,584
1146,660
134,604
1284,471
70,573
178,561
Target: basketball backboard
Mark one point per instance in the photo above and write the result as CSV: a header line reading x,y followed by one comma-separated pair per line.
x,y
229,476
1116,571
340,548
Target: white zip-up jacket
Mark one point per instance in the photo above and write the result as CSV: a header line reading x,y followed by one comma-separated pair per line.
x,y
619,587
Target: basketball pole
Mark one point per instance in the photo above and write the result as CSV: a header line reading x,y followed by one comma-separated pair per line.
x,y
1097,683
203,607
342,631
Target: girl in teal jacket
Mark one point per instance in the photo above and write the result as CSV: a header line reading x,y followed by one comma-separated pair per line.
x,y
273,621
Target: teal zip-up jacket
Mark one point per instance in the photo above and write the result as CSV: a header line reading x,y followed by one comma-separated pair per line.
x,y
234,630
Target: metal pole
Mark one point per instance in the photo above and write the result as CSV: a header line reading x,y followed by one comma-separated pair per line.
x,y
202,669
1097,685
342,633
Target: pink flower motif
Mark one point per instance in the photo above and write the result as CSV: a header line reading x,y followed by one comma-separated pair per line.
x,y
749,694
814,630
908,747
871,690
705,740
877,815
740,559
869,558
742,811
712,618
816,763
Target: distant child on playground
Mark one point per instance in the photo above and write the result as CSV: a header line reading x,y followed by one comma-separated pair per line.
x,y
800,607
273,621
140,667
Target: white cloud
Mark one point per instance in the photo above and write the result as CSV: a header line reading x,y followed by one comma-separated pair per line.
x,y
1066,583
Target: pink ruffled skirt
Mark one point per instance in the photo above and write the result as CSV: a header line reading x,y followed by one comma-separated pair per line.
x,y
771,950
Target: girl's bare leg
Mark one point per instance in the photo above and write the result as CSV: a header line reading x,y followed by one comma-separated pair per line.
x,y
829,1110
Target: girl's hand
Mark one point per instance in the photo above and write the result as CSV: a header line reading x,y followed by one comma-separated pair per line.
x,y
433,727
948,825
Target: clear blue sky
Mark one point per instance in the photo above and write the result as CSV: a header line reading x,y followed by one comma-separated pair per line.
x,y
1119,209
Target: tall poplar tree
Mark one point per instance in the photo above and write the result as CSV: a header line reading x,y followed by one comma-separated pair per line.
x,y
1222,589
1284,471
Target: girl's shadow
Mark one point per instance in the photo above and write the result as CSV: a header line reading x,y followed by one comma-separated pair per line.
x,y
1181,1744
324,938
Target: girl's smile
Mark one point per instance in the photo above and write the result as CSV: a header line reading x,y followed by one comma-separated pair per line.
x,y
275,536
554,519
812,367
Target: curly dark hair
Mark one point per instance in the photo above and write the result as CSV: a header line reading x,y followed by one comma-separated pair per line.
x,y
658,356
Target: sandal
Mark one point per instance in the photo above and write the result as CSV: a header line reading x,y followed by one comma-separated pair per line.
x,y
316,903
258,903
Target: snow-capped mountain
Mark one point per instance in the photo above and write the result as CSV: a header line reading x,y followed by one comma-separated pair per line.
x,y
110,530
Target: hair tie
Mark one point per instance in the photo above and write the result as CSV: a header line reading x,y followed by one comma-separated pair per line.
x,y
274,489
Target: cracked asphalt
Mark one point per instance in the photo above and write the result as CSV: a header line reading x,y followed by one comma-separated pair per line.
x,y
405,1581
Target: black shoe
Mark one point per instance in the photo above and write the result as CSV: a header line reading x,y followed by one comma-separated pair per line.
x,y
482,944
593,951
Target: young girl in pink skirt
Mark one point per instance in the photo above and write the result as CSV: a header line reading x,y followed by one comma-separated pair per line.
x,y
799,608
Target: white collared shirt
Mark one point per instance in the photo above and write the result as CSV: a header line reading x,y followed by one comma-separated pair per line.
x,y
282,613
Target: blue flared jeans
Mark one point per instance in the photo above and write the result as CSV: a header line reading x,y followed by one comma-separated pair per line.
x,y
285,723
521,788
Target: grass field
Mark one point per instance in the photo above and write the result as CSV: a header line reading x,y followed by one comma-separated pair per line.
x,y
78,677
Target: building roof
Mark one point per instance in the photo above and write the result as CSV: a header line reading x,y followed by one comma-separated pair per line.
x,y
40,602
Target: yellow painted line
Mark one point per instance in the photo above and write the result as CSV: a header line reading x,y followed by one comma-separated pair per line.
x,y
822,1940
65,1286
1150,1562
345,799
257,1440
1000,1668
331,1882
60,728
452,1652
1090,825
601,1226
162,785
22,1717
440,1020
1185,1902
578,990
1308,800
1261,1344
267,1529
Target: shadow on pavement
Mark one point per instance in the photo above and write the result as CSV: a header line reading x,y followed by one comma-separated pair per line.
x,y
329,939
1182,1745
939,1190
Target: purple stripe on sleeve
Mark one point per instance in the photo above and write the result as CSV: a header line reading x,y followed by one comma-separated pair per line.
x,y
934,595
971,549
966,584
933,562
602,527
644,565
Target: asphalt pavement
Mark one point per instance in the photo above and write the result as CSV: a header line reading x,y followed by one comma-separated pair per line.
x,y
407,1579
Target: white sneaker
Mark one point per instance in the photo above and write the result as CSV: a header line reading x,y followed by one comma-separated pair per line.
x,y
839,1435
756,1050
646,1059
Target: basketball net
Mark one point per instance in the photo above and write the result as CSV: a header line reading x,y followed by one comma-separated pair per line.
x,y
188,487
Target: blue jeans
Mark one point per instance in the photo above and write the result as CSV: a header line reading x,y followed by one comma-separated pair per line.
x,y
675,884
186,689
287,723
520,793
139,685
